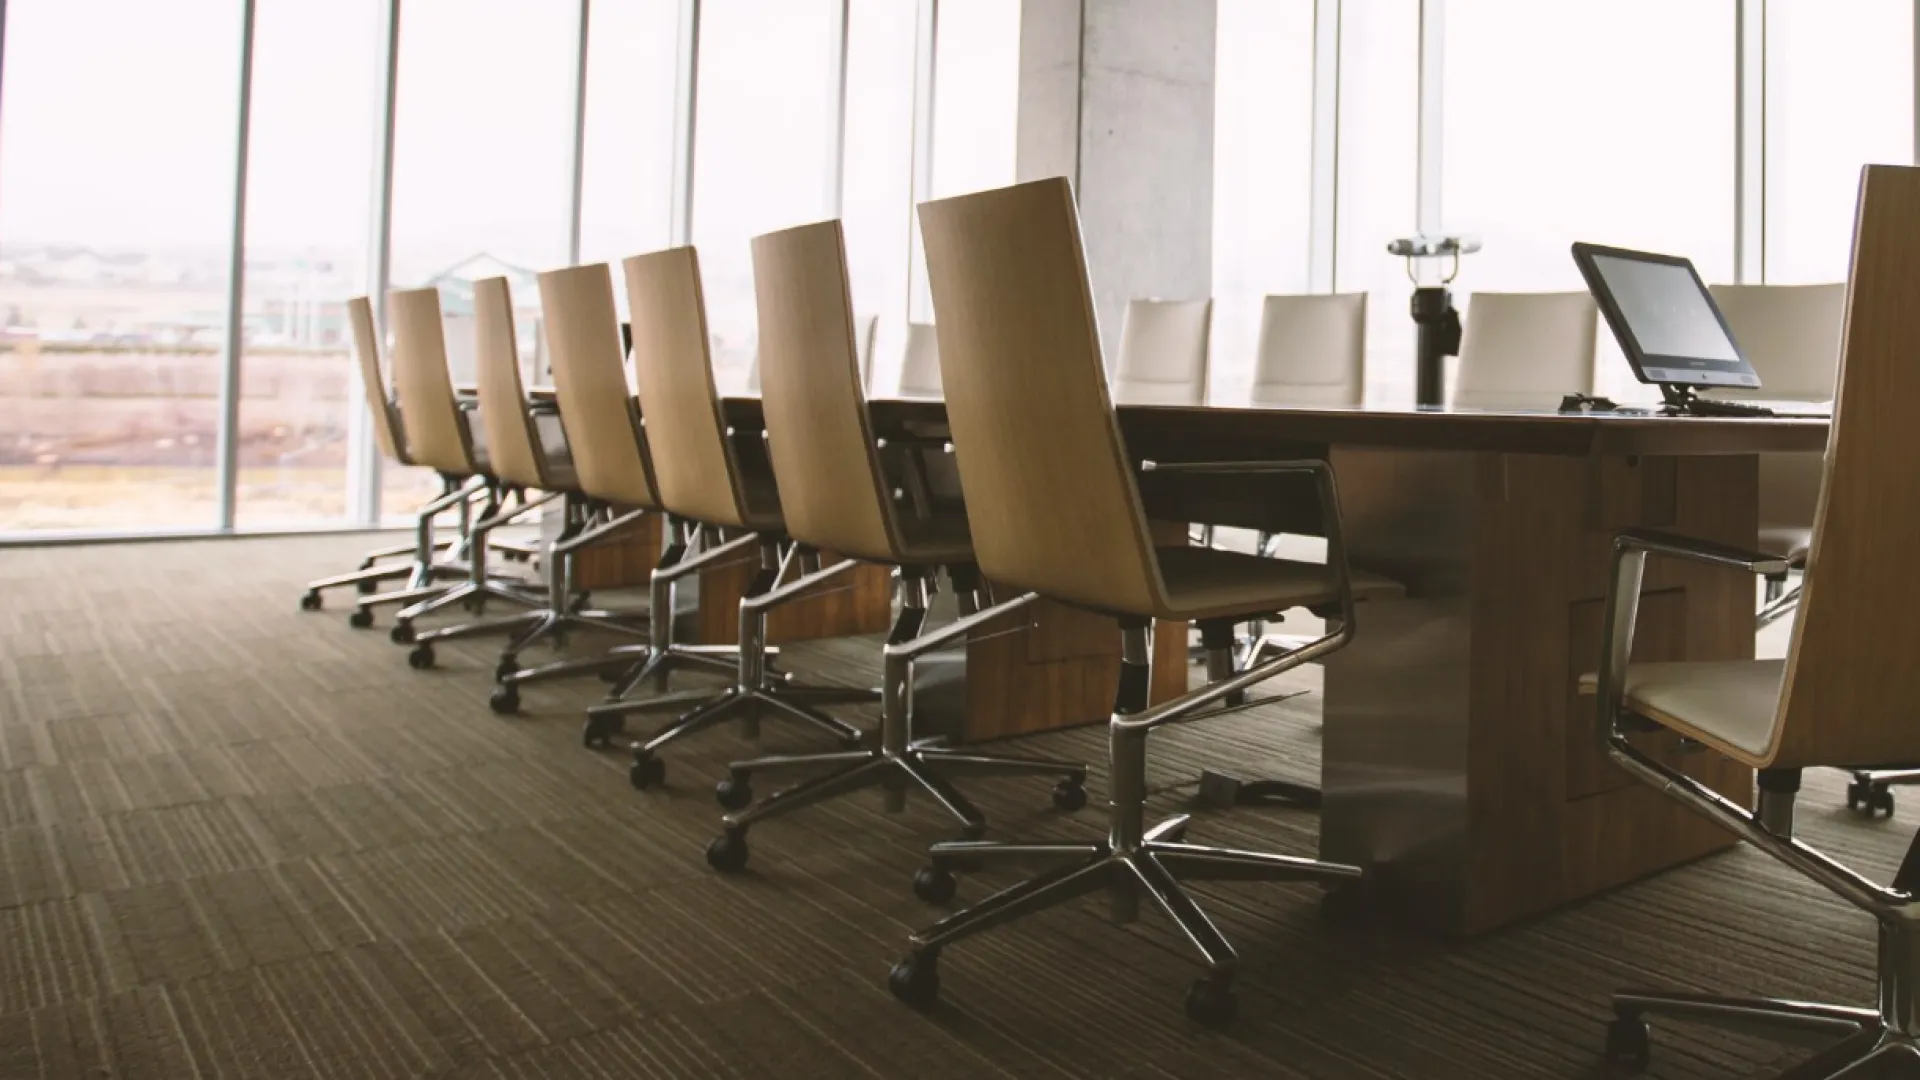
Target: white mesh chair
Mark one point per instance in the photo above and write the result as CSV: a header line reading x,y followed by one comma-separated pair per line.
x,y
1163,353
1312,350
920,368
1791,336
1525,350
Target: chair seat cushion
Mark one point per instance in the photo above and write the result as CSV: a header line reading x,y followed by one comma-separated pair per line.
x,y
1725,703
1203,583
1789,541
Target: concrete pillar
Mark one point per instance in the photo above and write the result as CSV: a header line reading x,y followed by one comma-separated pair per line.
x,y
1118,96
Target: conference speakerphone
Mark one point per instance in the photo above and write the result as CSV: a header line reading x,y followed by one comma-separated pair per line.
x,y
1671,331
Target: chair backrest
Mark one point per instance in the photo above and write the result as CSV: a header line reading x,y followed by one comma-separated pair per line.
x,y
673,373
604,436
1790,333
833,494
1851,680
513,445
1525,350
866,330
436,435
1163,353
1050,494
1312,351
920,367
387,429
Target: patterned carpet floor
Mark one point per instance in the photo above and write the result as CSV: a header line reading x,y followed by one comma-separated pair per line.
x,y
238,840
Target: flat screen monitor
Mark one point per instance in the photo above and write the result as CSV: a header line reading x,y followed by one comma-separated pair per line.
x,y
1664,318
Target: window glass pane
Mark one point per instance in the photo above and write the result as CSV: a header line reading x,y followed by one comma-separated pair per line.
x,y
633,50
1262,174
483,164
763,153
877,199
1569,122
976,111
1839,96
116,157
1379,172
976,96
315,122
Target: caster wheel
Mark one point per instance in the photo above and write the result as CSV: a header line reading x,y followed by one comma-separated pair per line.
x,y
916,980
368,588
728,852
1070,795
733,793
401,634
360,619
421,658
934,884
505,700
647,772
504,670
598,734
1629,1044
310,601
1211,1001
1880,803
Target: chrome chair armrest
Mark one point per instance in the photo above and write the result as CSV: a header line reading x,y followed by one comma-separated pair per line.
x,y
1257,672
1630,550
1657,542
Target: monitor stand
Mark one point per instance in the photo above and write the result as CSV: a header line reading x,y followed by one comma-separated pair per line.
x,y
1683,400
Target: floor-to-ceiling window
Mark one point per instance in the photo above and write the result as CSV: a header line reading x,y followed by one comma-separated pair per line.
x,y
483,167
976,111
764,148
117,142
877,172
626,202
1378,173
1262,174
1839,95
1604,120
315,122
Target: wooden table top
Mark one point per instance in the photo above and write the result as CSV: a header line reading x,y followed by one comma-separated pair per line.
x,y
1217,432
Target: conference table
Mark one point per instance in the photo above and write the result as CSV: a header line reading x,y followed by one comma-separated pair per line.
x,y
1461,766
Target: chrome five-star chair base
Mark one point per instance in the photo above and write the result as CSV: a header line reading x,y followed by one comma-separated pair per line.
x,y
900,763
756,692
652,665
1132,859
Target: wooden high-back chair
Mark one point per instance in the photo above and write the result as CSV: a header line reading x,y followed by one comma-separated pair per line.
x,y
1844,694
693,458
388,430
833,491
604,435
513,443
1055,509
835,496
436,435
1027,400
